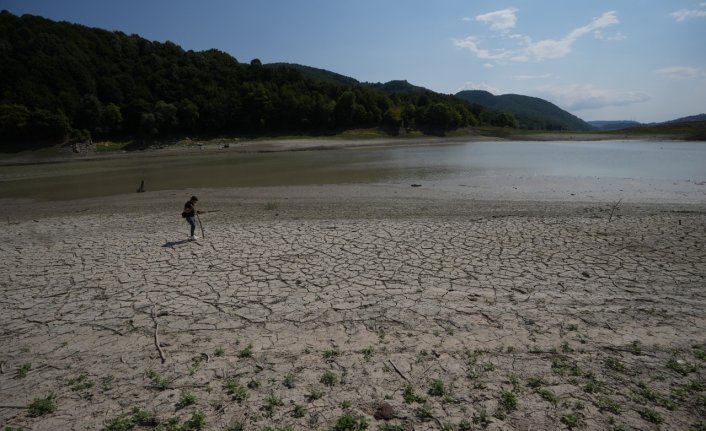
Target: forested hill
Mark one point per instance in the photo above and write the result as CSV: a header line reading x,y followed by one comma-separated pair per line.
x,y
531,112
62,81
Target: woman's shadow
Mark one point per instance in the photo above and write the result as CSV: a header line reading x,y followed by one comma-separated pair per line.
x,y
172,244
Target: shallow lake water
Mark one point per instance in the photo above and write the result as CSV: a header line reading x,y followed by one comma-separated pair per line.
x,y
461,164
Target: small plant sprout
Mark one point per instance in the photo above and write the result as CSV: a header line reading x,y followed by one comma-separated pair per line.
x,y
614,364
22,370
299,411
246,352
271,404
314,395
329,378
570,420
159,382
437,389
331,353
349,422
289,381
237,392
107,383
409,396
186,398
507,403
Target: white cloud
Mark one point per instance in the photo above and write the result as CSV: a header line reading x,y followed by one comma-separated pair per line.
x,y
542,50
617,36
684,14
550,49
479,86
472,44
578,97
682,72
489,65
501,20
466,19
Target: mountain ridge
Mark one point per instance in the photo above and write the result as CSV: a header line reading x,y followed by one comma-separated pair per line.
x,y
531,112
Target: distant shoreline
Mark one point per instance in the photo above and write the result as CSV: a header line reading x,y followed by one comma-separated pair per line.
x,y
58,154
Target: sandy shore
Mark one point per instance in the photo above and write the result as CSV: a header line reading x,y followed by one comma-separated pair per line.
x,y
406,308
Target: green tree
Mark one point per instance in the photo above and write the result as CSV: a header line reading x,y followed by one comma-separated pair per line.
x,y
165,115
14,121
112,118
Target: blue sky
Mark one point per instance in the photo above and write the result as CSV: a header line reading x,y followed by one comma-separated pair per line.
x,y
640,60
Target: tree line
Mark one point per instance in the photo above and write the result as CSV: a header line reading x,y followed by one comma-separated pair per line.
x,y
61,81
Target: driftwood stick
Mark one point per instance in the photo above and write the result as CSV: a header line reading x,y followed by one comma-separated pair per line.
x,y
398,371
156,335
156,342
615,206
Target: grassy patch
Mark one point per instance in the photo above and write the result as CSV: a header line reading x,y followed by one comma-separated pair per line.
x,y
246,352
614,364
349,422
570,420
331,353
606,404
535,382
42,406
680,366
424,412
329,378
314,395
508,401
196,422
158,380
271,404
110,146
410,396
651,415
138,417
106,383
80,383
186,398
299,411
548,395
289,381
437,389
237,392
22,370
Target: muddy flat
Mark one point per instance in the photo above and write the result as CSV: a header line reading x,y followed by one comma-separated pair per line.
x,y
341,307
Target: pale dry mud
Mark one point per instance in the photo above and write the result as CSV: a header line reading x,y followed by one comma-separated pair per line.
x,y
497,319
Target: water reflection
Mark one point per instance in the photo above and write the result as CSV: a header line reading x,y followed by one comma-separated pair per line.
x,y
460,162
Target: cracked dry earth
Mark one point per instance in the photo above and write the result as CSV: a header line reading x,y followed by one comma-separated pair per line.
x,y
532,322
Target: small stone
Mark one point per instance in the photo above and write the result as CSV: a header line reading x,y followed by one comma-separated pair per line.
x,y
384,411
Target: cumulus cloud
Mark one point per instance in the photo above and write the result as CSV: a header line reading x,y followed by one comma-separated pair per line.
x,y
472,44
550,49
539,51
501,20
682,72
578,97
684,14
